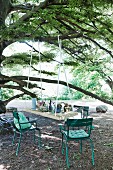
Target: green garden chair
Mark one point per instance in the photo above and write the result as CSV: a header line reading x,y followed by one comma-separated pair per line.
x,y
85,112
76,130
22,125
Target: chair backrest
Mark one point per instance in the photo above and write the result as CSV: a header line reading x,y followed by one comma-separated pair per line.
x,y
79,123
79,108
20,121
85,112
86,108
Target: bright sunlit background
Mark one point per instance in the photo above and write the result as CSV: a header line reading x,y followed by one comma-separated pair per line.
x,y
50,89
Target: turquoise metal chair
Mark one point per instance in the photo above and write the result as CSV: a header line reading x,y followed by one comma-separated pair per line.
x,y
77,130
21,125
85,112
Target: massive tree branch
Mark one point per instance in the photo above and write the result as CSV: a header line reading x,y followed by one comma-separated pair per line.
x,y
62,37
100,46
18,88
26,6
5,79
76,25
42,5
12,98
65,84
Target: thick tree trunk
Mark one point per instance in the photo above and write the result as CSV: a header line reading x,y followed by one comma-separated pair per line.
x,y
5,7
2,107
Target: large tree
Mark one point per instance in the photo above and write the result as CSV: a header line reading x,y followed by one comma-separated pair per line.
x,y
85,28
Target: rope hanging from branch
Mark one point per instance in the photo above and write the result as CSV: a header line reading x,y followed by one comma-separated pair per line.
x,y
59,71
39,54
30,64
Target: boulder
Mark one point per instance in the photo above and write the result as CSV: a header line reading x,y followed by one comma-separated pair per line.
x,y
101,109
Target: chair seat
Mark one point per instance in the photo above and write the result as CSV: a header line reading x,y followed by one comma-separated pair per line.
x,y
76,134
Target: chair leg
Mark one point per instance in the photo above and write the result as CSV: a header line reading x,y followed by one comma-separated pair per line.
x,y
92,150
62,144
34,138
67,159
80,146
81,114
14,138
87,114
18,147
39,139
66,147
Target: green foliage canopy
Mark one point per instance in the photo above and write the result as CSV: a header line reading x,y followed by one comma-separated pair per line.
x,y
85,28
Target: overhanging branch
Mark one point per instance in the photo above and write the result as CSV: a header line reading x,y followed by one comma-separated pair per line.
x,y
65,84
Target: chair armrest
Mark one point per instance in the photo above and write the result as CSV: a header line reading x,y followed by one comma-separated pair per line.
x,y
25,122
61,127
32,121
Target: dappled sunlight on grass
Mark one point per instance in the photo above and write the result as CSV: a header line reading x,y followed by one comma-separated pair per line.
x,y
2,167
74,143
96,118
110,119
97,126
50,137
